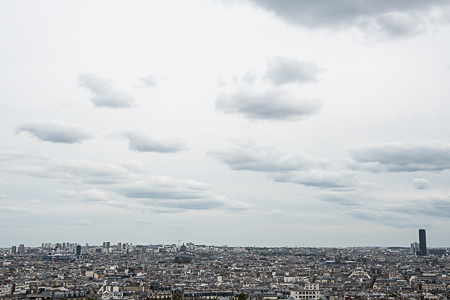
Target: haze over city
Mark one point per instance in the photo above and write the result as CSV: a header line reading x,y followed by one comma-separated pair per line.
x,y
245,123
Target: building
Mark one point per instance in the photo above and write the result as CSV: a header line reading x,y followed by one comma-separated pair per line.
x,y
422,242
21,249
14,250
309,291
415,248
78,250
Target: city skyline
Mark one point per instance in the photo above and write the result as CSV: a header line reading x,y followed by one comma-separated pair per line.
x,y
255,122
419,248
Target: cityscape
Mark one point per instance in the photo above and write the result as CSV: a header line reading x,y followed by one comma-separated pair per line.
x,y
225,150
189,271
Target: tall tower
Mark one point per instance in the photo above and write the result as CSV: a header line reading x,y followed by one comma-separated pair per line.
x,y
422,242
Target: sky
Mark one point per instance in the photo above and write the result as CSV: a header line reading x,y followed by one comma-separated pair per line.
x,y
240,123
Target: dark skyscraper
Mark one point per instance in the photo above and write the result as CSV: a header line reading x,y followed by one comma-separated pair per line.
x,y
422,242
78,249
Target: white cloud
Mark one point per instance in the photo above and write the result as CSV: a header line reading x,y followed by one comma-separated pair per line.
x,y
105,95
94,195
55,131
35,201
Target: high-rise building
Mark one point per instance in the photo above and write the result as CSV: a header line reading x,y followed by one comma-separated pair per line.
x,y
415,248
21,249
422,242
119,246
78,250
14,250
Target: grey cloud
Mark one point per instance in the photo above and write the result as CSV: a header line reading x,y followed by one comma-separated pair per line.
x,y
391,18
141,142
263,159
342,198
318,178
55,131
105,95
125,189
421,183
174,195
397,25
83,223
73,171
272,104
132,165
148,81
274,213
66,193
431,206
162,187
15,155
215,202
249,77
281,70
400,214
390,218
402,157
143,221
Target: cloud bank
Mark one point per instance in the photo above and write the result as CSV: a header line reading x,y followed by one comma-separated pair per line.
x,y
120,187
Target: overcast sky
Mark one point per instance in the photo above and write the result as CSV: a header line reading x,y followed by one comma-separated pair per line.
x,y
253,122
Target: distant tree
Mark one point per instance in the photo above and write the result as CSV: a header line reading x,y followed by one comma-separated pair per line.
x,y
242,296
